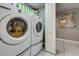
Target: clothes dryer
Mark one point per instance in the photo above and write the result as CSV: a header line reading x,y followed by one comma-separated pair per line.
x,y
37,35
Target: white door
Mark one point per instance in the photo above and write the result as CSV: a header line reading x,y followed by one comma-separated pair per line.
x,y
50,35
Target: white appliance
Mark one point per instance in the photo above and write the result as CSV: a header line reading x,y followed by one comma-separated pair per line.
x,y
15,31
37,35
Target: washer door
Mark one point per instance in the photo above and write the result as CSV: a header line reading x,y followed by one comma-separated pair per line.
x,y
38,27
14,29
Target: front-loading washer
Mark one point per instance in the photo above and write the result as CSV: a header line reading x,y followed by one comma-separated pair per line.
x,y
14,32
37,35
9,6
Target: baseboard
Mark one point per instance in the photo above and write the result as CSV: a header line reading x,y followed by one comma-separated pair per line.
x,y
66,40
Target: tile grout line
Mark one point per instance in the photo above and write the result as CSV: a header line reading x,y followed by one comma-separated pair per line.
x,y
49,52
64,47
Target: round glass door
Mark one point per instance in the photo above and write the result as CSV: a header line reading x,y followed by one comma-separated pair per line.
x,y
38,27
16,27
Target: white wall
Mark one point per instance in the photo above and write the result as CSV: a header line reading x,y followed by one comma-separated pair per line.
x,y
66,6
70,33
50,36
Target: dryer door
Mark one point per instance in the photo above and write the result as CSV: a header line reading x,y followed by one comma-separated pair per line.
x,y
38,27
14,29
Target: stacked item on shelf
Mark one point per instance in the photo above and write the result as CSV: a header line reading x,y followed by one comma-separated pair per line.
x,y
27,9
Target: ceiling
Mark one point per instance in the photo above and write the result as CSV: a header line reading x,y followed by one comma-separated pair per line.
x,y
36,5
66,6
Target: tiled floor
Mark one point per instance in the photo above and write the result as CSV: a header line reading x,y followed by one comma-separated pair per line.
x,y
63,49
44,53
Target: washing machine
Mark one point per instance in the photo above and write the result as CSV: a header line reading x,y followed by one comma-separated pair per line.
x,y
15,31
37,35
9,6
